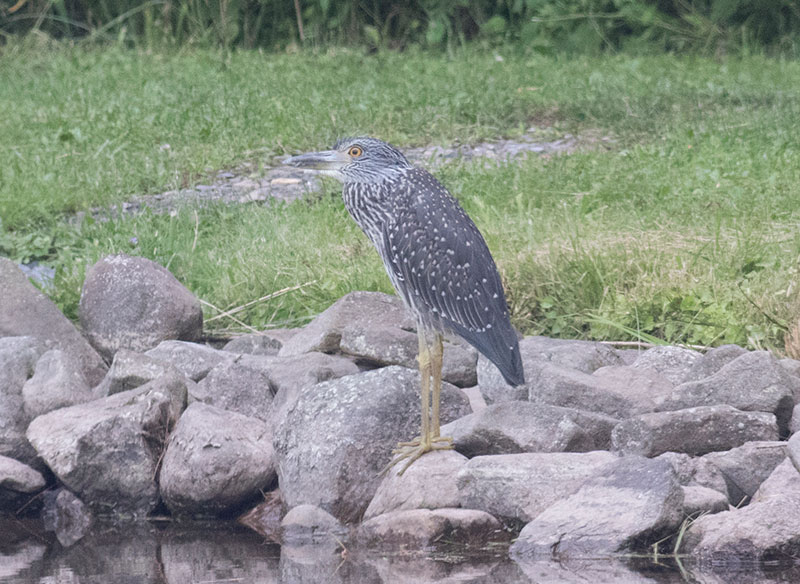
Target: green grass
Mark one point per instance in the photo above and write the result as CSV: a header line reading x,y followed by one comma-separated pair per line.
x,y
684,227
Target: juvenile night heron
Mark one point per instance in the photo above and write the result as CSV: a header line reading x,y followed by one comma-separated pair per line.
x,y
436,259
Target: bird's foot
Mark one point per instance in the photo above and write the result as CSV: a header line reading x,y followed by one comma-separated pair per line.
x,y
411,451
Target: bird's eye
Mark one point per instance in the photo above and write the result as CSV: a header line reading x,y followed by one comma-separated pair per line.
x,y
355,151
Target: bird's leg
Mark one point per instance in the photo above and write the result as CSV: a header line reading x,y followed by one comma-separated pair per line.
x,y
437,353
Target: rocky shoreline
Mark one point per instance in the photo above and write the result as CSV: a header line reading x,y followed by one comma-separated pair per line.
x,y
604,451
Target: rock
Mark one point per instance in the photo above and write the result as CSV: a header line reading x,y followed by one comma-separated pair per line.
x,y
752,382
106,451
18,356
700,500
713,361
353,313
216,461
582,356
793,449
339,434
429,483
792,366
476,401
693,430
57,382
134,303
18,482
307,524
130,370
764,531
192,359
617,391
265,518
794,422
633,503
747,466
696,472
518,487
420,528
674,363
513,427
254,344
25,311
66,515
242,385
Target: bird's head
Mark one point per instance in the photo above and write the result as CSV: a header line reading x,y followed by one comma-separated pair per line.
x,y
365,160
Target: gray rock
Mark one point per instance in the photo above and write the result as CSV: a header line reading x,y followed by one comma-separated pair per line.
x,y
254,344
25,311
793,449
18,482
513,427
106,451
429,483
762,531
518,487
215,461
582,356
307,524
674,363
339,434
700,500
713,361
265,518
696,472
194,360
792,366
420,528
693,430
794,422
57,382
66,515
618,391
134,303
242,385
18,356
130,370
752,382
747,466
634,502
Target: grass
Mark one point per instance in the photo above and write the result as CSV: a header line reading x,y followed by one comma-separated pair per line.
x,y
685,228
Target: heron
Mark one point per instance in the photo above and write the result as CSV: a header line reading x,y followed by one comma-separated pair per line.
x,y
437,261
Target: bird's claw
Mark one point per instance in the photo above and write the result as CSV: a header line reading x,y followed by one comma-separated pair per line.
x,y
411,451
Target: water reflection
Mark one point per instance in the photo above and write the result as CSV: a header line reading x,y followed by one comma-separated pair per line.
x,y
221,553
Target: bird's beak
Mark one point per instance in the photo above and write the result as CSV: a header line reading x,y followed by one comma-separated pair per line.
x,y
326,160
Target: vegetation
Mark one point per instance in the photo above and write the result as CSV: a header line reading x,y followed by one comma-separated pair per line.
x,y
683,226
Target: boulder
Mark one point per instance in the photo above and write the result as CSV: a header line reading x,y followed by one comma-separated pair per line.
x,y
513,427
429,483
634,502
255,344
216,461
18,356
517,487
764,531
753,382
747,466
25,311
582,356
696,471
693,430
673,363
57,382
130,370
307,524
107,451
18,483
793,449
419,529
339,434
713,361
134,303
617,391
792,366
194,360
242,385
702,500
794,422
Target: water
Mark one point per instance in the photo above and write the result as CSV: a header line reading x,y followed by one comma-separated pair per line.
x,y
222,553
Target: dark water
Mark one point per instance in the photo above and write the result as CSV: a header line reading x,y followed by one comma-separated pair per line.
x,y
227,553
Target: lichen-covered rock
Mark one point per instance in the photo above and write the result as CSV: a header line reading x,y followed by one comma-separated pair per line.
x,y
673,363
339,434
429,483
57,382
242,385
634,502
693,430
216,461
134,303
25,311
